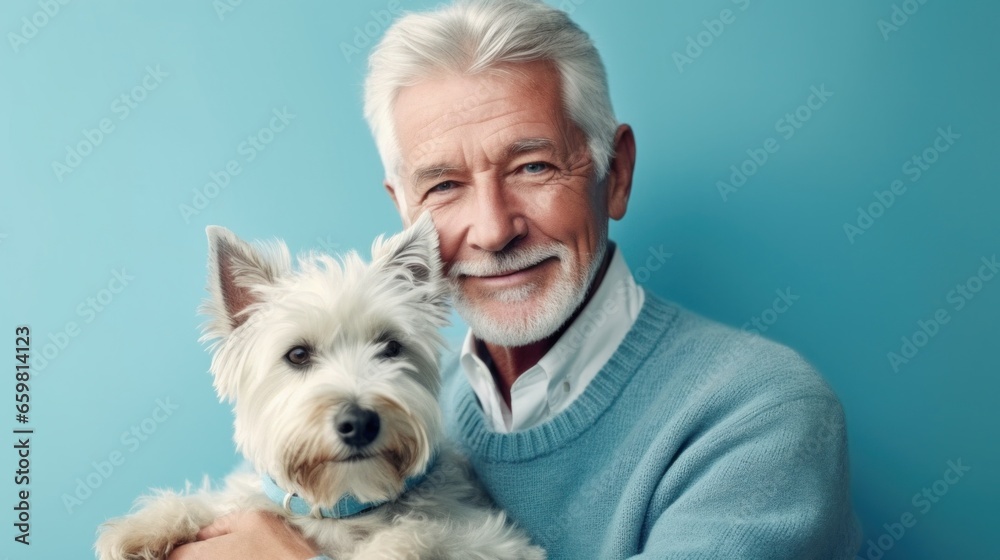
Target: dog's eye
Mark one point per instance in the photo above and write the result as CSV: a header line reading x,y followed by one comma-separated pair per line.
x,y
298,356
391,350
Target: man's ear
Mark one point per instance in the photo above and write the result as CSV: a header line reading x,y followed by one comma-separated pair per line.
x,y
619,179
398,199
235,269
413,256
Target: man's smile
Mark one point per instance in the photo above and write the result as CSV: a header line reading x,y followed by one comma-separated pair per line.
x,y
511,278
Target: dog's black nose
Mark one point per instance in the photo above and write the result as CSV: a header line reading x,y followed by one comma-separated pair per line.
x,y
356,426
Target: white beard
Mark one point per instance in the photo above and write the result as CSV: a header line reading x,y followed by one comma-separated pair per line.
x,y
532,321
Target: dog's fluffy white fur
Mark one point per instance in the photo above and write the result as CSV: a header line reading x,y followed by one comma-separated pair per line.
x,y
371,334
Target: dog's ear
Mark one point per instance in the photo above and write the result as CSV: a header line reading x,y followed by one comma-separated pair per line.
x,y
235,269
414,256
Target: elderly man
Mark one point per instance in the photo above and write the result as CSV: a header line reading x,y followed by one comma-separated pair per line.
x,y
608,422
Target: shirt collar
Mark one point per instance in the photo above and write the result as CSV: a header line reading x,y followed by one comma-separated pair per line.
x,y
608,314
581,342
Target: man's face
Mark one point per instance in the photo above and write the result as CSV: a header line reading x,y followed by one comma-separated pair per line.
x,y
510,184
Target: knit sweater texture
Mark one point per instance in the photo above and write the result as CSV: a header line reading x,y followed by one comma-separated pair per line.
x,y
695,440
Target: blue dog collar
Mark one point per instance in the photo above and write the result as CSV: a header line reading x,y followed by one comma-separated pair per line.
x,y
347,506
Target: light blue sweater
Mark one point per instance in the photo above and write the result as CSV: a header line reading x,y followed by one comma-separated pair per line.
x,y
694,441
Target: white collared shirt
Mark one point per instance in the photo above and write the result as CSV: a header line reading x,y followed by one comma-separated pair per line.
x,y
551,385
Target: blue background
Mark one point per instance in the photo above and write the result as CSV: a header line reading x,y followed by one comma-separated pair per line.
x,y
317,185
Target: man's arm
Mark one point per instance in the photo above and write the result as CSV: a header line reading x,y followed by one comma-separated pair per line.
x,y
773,485
252,535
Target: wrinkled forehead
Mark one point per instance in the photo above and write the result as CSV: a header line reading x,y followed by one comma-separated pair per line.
x,y
444,114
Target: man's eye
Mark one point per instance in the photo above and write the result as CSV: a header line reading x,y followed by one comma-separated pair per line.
x,y
535,167
391,350
298,356
441,187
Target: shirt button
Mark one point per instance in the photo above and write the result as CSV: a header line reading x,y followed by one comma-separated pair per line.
x,y
565,386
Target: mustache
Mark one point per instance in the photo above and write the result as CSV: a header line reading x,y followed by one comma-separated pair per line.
x,y
500,263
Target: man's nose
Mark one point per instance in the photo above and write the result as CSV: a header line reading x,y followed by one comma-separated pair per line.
x,y
496,220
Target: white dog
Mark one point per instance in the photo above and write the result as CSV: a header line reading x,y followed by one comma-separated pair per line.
x,y
333,370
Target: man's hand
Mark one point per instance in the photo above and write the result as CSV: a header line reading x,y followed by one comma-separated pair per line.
x,y
248,535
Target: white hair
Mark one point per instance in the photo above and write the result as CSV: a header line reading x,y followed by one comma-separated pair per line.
x,y
474,36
